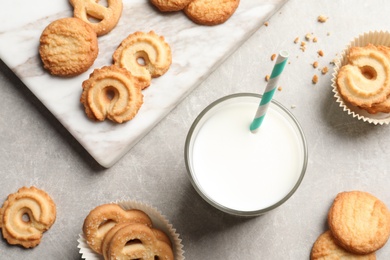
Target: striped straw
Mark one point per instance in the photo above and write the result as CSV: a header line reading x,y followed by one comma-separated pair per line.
x,y
269,91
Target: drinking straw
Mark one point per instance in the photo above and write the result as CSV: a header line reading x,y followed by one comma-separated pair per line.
x,y
269,91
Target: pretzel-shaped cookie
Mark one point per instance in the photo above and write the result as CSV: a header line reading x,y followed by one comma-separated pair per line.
x,y
135,241
104,217
108,16
25,215
111,92
149,47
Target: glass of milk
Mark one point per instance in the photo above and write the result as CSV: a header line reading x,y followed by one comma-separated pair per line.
x,y
240,172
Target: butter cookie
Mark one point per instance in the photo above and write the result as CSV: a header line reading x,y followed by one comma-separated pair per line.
x,y
170,5
25,215
145,55
326,248
68,47
103,218
359,222
111,92
206,12
107,17
365,80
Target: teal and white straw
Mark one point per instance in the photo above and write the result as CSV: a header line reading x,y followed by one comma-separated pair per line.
x,y
269,91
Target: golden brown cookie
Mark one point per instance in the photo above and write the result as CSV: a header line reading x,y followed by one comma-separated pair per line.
x,y
326,248
145,55
365,80
103,218
359,222
107,16
25,215
170,5
208,12
111,92
68,47
137,241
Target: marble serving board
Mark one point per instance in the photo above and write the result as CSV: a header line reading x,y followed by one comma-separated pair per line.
x,y
196,52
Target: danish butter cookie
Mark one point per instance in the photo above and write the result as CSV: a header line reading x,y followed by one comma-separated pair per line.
x,y
326,248
68,47
25,215
365,80
208,12
359,222
105,217
382,107
137,241
111,92
108,17
145,55
170,5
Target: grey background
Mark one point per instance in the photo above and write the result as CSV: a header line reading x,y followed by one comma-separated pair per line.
x,y
344,153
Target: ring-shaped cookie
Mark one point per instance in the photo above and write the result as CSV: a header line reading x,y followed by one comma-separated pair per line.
x,y
208,12
135,241
104,217
365,80
25,215
108,16
151,49
111,92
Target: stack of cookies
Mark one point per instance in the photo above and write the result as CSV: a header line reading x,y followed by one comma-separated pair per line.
x,y
359,225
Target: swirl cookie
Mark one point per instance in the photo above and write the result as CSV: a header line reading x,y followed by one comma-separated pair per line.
x,y
208,12
104,217
359,222
111,92
68,47
365,80
137,241
170,5
107,17
25,215
145,55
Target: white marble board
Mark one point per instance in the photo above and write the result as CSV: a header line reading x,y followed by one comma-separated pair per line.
x,y
196,52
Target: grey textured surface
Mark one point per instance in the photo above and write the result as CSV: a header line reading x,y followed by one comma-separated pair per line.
x,y
344,153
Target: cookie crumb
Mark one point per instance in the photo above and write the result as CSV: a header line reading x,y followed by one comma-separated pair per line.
x,y
273,56
321,53
293,106
324,70
333,62
266,23
280,88
303,46
322,18
314,80
296,40
308,36
315,39
267,78
328,33
315,64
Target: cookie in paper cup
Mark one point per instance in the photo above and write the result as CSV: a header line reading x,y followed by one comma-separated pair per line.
x,y
159,222
377,38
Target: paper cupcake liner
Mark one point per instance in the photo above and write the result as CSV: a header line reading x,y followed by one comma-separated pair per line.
x,y
159,222
375,38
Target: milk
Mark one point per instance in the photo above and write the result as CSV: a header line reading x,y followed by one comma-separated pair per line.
x,y
244,171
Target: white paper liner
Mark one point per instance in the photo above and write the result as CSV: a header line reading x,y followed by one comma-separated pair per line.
x,y
375,38
159,222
